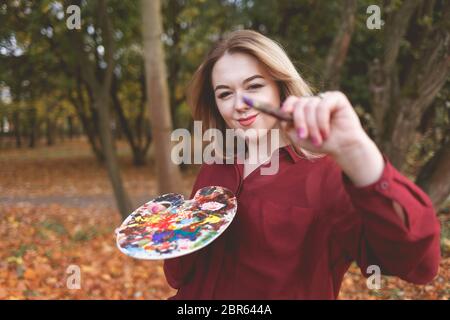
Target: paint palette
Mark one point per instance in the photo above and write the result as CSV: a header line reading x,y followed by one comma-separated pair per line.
x,y
169,226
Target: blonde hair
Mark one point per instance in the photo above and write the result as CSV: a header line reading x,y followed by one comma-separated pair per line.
x,y
200,93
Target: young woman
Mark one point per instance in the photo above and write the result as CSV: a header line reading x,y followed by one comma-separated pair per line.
x,y
334,199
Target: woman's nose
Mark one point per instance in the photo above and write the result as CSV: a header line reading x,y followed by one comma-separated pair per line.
x,y
239,104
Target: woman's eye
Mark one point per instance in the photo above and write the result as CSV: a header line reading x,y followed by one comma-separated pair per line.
x,y
255,86
223,95
252,87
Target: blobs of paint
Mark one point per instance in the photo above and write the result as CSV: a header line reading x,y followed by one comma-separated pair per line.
x,y
170,226
211,219
156,207
212,206
159,237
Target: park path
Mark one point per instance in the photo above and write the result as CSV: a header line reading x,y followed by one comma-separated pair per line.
x,y
81,201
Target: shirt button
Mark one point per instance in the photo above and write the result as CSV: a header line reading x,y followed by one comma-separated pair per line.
x,y
384,185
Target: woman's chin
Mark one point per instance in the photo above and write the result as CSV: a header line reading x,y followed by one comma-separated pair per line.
x,y
252,134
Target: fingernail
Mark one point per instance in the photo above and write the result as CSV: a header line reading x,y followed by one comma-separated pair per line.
x,y
301,133
315,141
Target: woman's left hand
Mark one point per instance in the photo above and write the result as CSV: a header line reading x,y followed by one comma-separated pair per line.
x,y
329,124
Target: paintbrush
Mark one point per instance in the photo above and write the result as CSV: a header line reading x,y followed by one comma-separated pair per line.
x,y
268,109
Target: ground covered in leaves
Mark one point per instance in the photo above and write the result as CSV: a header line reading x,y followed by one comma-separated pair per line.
x,y
56,211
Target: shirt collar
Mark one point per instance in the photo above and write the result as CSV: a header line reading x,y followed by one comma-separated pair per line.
x,y
291,152
293,155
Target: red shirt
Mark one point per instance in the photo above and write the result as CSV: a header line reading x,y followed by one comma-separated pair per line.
x,y
296,233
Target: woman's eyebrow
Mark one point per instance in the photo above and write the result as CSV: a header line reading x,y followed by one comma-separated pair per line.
x,y
221,86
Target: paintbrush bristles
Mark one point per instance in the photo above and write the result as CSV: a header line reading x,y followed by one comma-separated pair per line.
x,y
248,101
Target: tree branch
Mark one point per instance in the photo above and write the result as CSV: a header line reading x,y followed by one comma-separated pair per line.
x,y
395,30
435,174
338,51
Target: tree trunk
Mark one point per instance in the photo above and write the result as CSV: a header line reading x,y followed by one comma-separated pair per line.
x,y
2,126
50,132
401,94
424,80
102,104
122,200
175,7
86,123
434,178
61,131
383,73
138,157
168,174
92,138
16,123
338,51
70,126
100,90
32,133
134,140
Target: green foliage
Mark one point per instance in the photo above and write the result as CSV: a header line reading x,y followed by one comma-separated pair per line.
x,y
38,60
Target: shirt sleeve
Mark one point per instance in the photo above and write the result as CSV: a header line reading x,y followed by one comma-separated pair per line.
x,y
371,232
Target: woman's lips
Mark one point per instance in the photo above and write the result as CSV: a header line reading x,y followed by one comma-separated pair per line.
x,y
247,121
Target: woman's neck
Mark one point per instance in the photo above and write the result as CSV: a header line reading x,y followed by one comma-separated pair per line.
x,y
262,150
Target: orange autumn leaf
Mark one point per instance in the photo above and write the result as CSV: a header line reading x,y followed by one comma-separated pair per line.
x,y
58,214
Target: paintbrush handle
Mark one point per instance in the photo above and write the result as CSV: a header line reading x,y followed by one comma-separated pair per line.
x,y
277,113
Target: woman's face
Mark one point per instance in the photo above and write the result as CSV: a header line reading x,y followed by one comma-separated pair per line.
x,y
238,74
